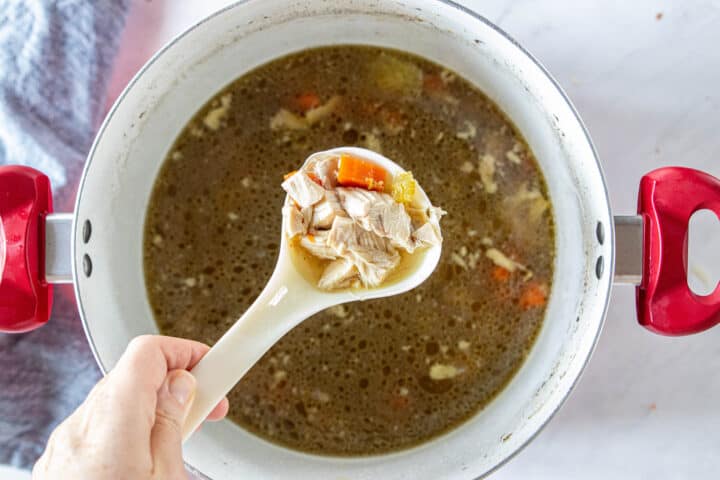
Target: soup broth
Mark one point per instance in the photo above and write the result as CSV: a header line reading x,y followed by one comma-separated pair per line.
x,y
368,377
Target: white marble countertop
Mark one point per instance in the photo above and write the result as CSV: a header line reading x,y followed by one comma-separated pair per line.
x,y
644,76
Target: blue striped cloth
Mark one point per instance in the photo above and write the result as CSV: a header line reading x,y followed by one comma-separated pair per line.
x,y
56,58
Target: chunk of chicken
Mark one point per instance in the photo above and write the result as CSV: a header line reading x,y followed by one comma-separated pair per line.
x,y
295,222
357,201
325,211
307,214
324,166
317,245
339,273
373,265
303,190
377,212
435,214
347,235
373,255
427,235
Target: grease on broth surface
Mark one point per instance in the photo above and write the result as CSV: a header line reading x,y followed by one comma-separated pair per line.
x,y
382,375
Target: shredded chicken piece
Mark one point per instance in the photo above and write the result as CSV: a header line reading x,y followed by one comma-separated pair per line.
x,y
427,235
214,118
435,214
467,167
513,157
303,190
340,311
486,167
438,371
472,259
346,235
373,256
377,212
447,76
316,244
374,265
325,211
458,260
339,273
285,119
530,202
323,111
502,260
468,132
307,214
372,142
294,222
324,166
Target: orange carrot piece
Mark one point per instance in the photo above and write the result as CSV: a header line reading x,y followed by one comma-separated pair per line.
x,y
501,274
534,295
392,119
433,83
356,172
289,174
399,402
307,101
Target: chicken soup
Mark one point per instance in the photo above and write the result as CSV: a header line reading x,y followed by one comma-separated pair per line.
x,y
368,377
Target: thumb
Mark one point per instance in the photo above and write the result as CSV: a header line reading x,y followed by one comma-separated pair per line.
x,y
174,399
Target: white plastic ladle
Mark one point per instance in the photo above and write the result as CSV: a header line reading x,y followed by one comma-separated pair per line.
x,y
287,300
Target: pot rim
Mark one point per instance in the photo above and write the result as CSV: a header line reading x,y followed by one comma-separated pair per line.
x,y
462,10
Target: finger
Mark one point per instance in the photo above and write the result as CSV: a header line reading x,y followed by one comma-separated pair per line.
x,y
155,355
174,399
220,410
141,371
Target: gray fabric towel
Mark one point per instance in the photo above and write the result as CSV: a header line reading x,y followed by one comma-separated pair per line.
x,y
56,58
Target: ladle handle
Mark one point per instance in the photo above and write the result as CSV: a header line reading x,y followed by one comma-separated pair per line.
x,y
285,302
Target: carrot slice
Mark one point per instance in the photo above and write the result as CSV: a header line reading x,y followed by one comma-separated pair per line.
x,y
307,101
535,295
399,402
289,174
501,274
433,83
356,172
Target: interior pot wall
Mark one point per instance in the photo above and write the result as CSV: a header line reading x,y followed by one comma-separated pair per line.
x,y
150,114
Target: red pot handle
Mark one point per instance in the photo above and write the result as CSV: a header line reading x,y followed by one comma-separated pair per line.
x,y
668,198
25,296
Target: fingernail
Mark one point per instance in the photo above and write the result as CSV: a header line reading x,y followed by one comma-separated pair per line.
x,y
181,386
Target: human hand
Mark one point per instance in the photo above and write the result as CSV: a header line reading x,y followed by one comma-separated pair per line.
x,y
130,425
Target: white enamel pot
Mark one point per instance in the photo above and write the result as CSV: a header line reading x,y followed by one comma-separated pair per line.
x,y
99,247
